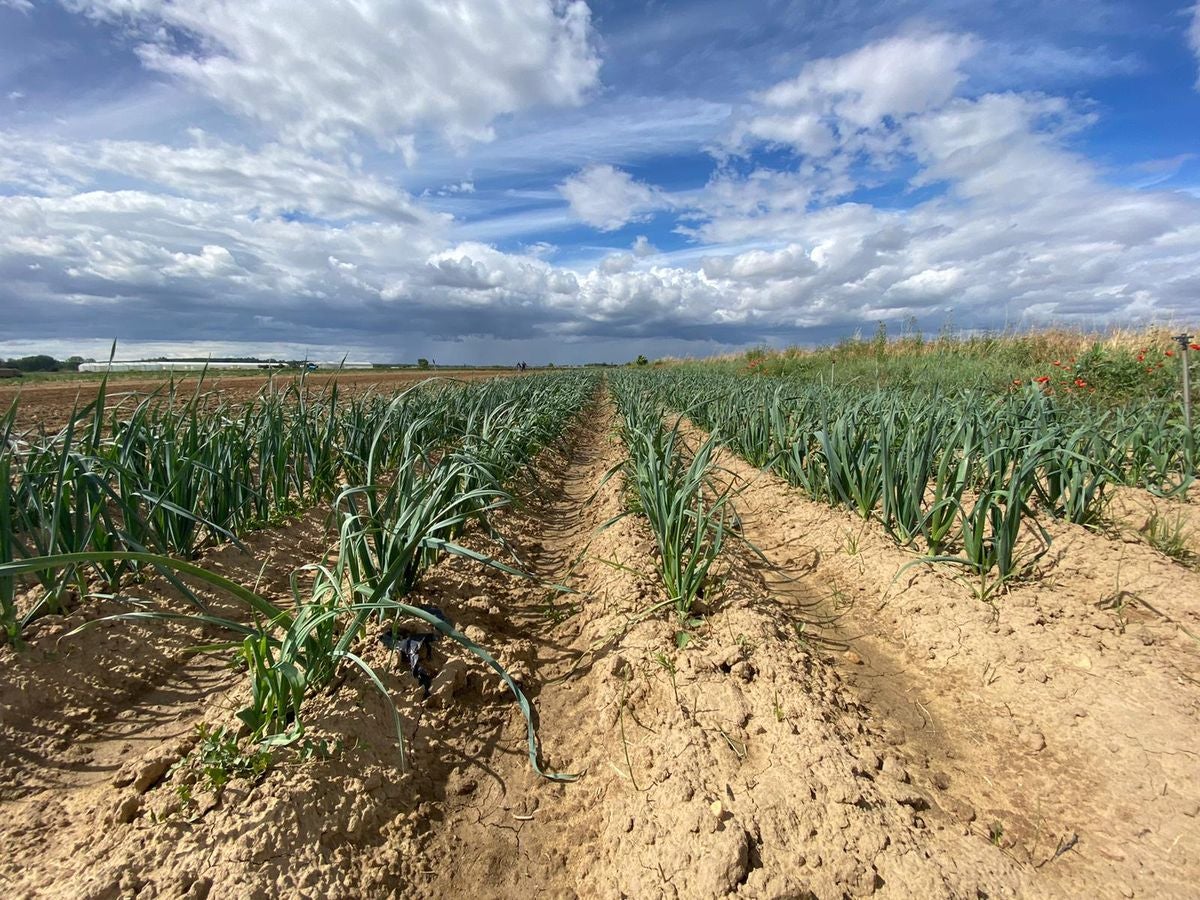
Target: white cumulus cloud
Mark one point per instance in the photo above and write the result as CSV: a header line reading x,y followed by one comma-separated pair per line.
x,y
833,98
892,77
642,247
321,72
607,198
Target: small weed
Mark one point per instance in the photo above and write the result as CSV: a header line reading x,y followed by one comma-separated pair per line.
x,y
1118,604
986,587
557,613
840,599
802,635
286,510
215,761
852,548
309,749
1170,536
1118,601
745,645
995,833
777,707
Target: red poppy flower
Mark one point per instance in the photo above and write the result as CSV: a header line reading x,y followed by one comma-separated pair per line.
x,y
1169,353
1194,346
1042,379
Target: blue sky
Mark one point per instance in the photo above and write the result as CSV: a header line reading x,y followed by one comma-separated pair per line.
x,y
562,181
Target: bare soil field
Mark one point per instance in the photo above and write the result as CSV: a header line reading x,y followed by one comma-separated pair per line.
x,y
48,404
835,726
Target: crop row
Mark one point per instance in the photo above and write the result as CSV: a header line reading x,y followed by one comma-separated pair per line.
x,y
959,477
409,475
165,476
672,486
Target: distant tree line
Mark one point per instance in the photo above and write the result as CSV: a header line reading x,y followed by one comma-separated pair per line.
x,y
44,363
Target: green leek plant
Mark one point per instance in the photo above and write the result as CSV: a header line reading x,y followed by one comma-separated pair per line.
x,y
293,651
174,474
688,515
415,455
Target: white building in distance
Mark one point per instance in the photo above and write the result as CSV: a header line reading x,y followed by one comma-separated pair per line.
x,y
167,365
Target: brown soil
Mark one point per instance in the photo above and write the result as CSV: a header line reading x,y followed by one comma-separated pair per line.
x,y
48,404
780,753
1064,715
746,771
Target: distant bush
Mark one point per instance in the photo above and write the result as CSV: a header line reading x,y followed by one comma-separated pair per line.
x,y
43,363
40,363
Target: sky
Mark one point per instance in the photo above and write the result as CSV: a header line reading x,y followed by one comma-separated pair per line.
x,y
558,181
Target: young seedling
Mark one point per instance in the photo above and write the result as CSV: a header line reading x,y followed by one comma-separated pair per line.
x,y
668,665
995,833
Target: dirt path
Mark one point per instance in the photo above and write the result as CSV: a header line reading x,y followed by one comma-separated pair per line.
x,y
1065,730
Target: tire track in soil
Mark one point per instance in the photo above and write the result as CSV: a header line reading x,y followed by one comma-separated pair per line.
x,y
967,705
92,722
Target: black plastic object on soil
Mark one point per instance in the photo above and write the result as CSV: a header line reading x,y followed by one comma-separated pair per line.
x,y
413,646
